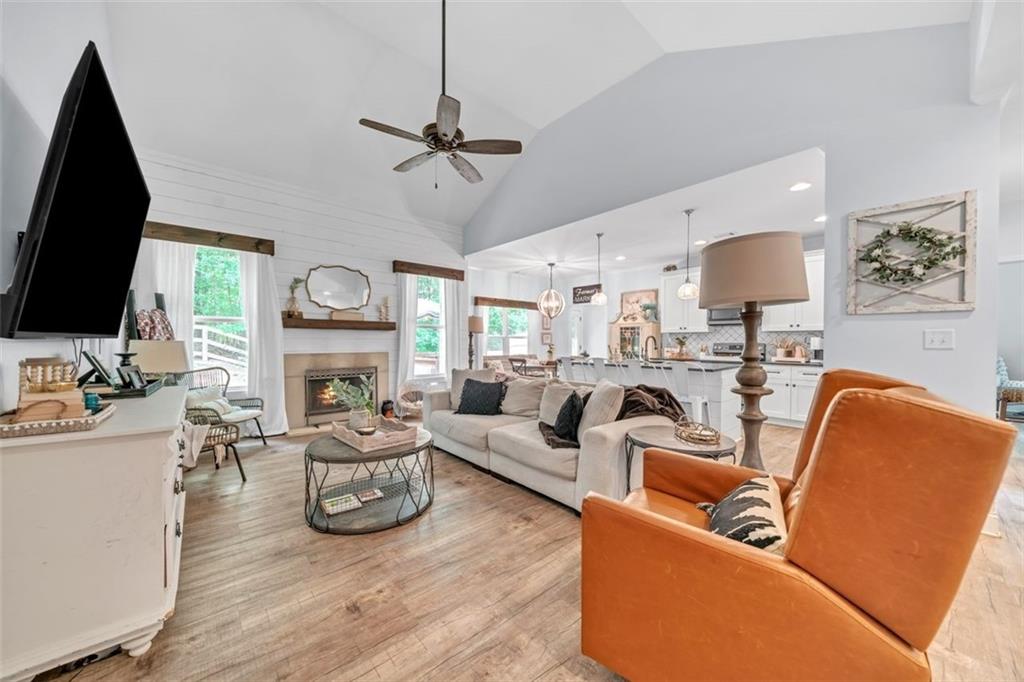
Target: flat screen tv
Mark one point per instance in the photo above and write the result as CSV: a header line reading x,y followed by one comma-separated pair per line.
x,y
75,264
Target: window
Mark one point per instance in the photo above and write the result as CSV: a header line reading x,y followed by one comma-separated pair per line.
x,y
429,327
507,331
219,335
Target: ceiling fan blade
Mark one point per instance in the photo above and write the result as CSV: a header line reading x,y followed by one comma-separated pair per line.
x,y
390,130
465,168
417,160
491,147
447,116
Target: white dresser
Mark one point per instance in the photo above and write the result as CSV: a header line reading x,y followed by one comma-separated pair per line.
x,y
91,528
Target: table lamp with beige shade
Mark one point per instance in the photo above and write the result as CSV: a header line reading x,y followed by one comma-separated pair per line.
x,y
476,326
753,270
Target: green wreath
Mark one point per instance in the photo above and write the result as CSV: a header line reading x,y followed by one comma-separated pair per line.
x,y
935,248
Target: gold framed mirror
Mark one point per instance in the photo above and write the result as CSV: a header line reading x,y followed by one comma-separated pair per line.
x,y
336,287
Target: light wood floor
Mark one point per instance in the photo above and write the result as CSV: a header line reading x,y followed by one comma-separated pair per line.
x,y
486,584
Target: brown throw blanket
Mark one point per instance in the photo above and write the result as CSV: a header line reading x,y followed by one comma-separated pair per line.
x,y
553,440
642,399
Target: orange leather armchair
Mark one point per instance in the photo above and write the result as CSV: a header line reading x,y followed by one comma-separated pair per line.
x,y
895,485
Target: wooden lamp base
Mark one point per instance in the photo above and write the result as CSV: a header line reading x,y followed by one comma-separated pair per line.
x,y
751,378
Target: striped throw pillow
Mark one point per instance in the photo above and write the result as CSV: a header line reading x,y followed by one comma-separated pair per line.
x,y
752,514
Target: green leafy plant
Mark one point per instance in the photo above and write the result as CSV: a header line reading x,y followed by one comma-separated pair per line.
x,y
934,248
354,397
296,283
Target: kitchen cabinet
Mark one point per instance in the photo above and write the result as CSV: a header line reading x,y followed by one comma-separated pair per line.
x,y
794,392
808,315
680,316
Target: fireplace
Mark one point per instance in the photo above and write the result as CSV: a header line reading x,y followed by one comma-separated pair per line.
x,y
319,395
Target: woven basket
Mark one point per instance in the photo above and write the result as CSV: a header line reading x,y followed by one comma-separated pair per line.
x,y
690,431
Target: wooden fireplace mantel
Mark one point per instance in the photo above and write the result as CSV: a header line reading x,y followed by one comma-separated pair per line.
x,y
323,323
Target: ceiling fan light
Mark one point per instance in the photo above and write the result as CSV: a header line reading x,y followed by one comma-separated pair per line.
x,y
550,303
687,291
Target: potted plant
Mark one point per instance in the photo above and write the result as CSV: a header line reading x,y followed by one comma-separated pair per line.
x,y
359,400
291,308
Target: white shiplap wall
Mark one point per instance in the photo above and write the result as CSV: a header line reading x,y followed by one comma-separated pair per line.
x,y
308,230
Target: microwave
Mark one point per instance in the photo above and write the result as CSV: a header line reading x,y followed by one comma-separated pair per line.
x,y
722,316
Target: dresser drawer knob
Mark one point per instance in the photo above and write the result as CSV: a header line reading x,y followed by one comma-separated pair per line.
x,y
179,487
177,528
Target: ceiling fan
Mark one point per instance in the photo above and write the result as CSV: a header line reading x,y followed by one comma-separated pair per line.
x,y
444,137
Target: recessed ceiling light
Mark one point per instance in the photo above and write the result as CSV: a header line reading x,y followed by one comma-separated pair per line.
x,y
700,242
620,258
821,219
800,187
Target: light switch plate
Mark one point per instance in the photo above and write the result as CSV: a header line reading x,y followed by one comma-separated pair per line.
x,y
939,339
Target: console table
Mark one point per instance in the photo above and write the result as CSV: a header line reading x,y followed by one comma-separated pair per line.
x,y
90,533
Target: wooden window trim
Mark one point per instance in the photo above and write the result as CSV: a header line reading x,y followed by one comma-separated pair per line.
x,y
200,237
428,270
504,302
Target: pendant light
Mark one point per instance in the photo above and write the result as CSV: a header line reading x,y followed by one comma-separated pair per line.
x,y
599,298
550,303
688,291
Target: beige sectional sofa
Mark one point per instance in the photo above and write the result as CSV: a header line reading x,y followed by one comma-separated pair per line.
x,y
512,446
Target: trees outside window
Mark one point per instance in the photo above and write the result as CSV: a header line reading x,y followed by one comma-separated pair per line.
x,y
429,327
220,338
508,331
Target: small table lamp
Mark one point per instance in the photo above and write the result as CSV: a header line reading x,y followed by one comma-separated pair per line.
x,y
753,270
476,326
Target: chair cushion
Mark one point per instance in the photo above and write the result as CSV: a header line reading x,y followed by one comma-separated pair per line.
x,y
481,397
221,406
525,444
459,377
522,397
197,396
752,514
239,416
668,506
603,406
469,429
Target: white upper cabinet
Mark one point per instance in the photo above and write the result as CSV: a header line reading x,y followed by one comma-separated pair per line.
x,y
680,316
808,315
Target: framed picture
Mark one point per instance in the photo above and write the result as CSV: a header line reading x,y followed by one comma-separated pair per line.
x,y
131,376
545,323
639,306
545,338
913,257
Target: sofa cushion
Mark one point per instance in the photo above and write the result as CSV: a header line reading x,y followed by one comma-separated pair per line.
x,y
459,377
524,443
469,429
522,397
602,407
481,397
552,400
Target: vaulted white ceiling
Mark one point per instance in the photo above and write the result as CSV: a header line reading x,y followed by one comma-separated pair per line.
x,y
276,89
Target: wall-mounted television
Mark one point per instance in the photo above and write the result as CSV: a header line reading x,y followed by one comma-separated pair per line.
x,y
75,264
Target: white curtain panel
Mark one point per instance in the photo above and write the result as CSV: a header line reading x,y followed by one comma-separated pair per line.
x,y
456,326
168,268
406,329
262,310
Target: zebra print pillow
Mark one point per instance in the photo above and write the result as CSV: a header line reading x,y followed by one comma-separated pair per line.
x,y
752,514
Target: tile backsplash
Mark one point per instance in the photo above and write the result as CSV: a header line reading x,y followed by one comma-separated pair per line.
x,y
733,333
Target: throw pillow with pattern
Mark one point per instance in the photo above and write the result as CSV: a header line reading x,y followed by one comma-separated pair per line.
x,y
481,397
752,514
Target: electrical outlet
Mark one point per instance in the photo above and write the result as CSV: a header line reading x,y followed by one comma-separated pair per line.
x,y
939,339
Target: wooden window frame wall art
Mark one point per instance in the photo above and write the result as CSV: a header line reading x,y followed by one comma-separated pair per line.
x,y
946,286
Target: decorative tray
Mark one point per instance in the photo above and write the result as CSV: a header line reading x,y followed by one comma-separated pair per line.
x,y
390,433
88,422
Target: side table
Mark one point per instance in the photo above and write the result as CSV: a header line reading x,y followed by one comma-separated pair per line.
x,y
664,437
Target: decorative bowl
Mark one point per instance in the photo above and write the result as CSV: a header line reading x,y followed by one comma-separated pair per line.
x,y
366,430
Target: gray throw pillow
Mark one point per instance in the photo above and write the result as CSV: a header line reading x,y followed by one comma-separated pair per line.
x,y
522,397
459,377
551,402
603,406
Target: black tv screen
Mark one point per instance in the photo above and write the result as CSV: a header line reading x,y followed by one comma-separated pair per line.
x,y
76,260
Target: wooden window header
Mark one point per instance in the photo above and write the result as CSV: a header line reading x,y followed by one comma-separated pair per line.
x,y
504,303
428,270
200,237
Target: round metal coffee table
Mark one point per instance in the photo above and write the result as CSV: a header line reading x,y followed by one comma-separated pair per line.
x,y
350,492
664,437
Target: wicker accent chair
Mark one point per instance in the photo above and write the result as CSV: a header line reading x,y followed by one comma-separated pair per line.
x,y
226,435
246,409
1008,392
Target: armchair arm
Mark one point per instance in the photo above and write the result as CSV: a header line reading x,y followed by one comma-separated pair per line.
x,y
696,479
602,462
435,400
247,403
202,415
661,600
221,434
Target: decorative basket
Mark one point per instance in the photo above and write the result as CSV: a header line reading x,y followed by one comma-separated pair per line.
x,y
690,431
11,429
390,433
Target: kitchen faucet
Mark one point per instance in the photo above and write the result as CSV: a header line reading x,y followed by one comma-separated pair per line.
x,y
650,338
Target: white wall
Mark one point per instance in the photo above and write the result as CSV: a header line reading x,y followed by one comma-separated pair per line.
x,y
1011,287
892,114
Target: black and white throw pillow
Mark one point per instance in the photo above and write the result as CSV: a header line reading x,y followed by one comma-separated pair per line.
x,y
481,397
567,423
752,514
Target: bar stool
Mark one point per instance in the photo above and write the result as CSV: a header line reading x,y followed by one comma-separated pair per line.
x,y
699,406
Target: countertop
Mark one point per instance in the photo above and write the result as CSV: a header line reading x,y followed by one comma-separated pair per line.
x,y
710,365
